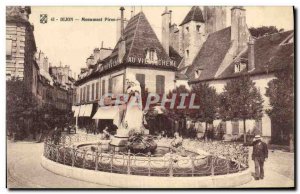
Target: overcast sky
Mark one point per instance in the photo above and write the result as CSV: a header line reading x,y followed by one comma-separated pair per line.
x,y
72,42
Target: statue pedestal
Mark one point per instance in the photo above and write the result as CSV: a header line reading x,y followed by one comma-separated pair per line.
x,y
119,141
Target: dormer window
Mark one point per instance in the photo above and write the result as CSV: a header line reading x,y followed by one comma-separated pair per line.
x,y
187,53
239,67
151,55
187,29
198,28
198,73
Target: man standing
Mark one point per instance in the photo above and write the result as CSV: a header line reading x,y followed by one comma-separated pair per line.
x,y
259,154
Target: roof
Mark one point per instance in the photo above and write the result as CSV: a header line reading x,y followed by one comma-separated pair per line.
x,y
195,14
138,36
269,53
272,53
211,54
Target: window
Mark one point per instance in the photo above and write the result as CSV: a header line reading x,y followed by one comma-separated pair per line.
x,y
141,78
187,53
160,84
110,85
97,90
235,127
198,73
187,29
81,95
93,91
103,87
8,47
198,28
88,93
151,54
84,93
239,67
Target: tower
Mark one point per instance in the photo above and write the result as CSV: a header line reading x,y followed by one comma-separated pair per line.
x,y
191,35
215,18
239,31
166,20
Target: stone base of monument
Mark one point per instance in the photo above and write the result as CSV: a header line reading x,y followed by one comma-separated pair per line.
x,y
119,141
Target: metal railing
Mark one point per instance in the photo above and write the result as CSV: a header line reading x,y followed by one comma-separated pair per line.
x,y
223,158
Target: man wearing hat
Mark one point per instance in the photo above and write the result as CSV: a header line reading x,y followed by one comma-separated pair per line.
x,y
259,154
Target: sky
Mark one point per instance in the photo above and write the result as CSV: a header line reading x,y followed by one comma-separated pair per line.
x,y
72,42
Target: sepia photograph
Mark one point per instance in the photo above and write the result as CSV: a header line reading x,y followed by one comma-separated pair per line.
x,y
150,97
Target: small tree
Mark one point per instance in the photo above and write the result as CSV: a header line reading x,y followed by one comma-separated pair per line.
x,y
281,94
264,30
206,97
20,106
242,100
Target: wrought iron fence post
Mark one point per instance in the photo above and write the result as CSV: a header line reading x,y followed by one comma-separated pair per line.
x,y
171,164
149,163
228,164
83,162
96,160
212,165
73,155
193,165
128,162
64,150
111,160
57,153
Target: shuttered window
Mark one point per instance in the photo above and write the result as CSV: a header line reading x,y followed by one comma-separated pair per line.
x,y
93,91
160,84
141,78
110,85
80,99
103,87
84,94
235,127
97,90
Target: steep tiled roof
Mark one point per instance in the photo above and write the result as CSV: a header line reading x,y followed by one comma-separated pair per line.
x,y
139,35
270,53
195,14
211,55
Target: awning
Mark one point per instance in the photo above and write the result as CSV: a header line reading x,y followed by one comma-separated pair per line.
x,y
110,112
73,108
76,111
81,112
88,110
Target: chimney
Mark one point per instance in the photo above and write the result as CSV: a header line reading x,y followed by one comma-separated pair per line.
x,y
121,44
239,31
97,54
166,29
122,22
251,58
101,44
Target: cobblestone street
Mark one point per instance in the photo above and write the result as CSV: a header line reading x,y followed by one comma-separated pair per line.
x,y
25,171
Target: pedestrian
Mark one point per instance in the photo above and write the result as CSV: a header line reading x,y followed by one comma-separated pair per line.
x,y
259,155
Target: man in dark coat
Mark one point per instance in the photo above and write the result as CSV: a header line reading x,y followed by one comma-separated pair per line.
x,y
259,154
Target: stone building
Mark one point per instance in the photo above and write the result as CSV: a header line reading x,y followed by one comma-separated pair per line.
x,y
137,53
233,52
187,38
21,47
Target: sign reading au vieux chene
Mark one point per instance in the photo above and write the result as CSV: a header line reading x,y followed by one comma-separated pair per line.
x,y
136,60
